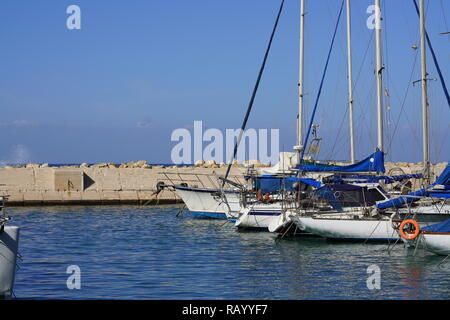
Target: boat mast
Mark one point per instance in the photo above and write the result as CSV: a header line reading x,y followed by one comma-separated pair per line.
x,y
350,85
299,147
425,106
379,71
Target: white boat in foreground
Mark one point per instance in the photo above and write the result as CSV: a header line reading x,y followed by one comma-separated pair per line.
x,y
9,243
351,226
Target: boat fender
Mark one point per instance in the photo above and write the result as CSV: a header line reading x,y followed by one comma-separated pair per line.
x,y
259,195
408,235
267,198
373,212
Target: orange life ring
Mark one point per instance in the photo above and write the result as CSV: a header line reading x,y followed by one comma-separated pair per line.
x,y
409,236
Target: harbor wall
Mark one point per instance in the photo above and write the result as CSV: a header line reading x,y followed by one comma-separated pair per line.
x,y
99,184
135,183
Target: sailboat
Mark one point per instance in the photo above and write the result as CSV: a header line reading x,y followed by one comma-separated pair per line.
x,y
376,224
262,215
288,191
434,238
9,242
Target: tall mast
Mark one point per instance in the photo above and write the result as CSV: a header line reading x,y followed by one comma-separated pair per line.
x,y
350,85
425,106
379,71
299,147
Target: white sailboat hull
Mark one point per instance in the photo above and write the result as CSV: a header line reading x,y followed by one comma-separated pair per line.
x,y
259,216
281,222
346,228
9,243
207,203
437,243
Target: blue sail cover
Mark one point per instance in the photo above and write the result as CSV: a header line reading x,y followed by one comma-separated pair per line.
x,y
444,181
438,227
444,178
373,163
430,191
273,184
402,200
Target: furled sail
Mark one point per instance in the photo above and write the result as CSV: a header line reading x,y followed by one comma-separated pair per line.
x,y
373,163
272,184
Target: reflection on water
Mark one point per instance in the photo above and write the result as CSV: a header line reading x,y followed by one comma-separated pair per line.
x,y
131,252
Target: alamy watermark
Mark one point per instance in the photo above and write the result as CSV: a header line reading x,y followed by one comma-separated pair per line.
x,y
374,20
255,145
73,22
373,282
74,280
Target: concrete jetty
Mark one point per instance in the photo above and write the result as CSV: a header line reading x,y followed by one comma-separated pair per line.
x,y
135,183
131,183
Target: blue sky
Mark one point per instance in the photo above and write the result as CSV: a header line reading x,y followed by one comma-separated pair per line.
x,y
137,70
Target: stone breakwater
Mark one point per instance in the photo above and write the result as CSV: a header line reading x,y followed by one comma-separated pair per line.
x,y
106,183
129,183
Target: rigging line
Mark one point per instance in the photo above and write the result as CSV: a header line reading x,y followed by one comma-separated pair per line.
x,y
363,63
439,152
321,83
336,90
441,77
362,117
252,99
354,90
387,79
364,60
339,133
341,46
445,19
404,98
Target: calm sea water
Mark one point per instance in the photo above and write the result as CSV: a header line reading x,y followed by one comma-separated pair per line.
x,y
131,252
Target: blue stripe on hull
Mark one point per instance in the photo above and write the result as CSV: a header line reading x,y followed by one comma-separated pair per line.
x,y
208,215
264,213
